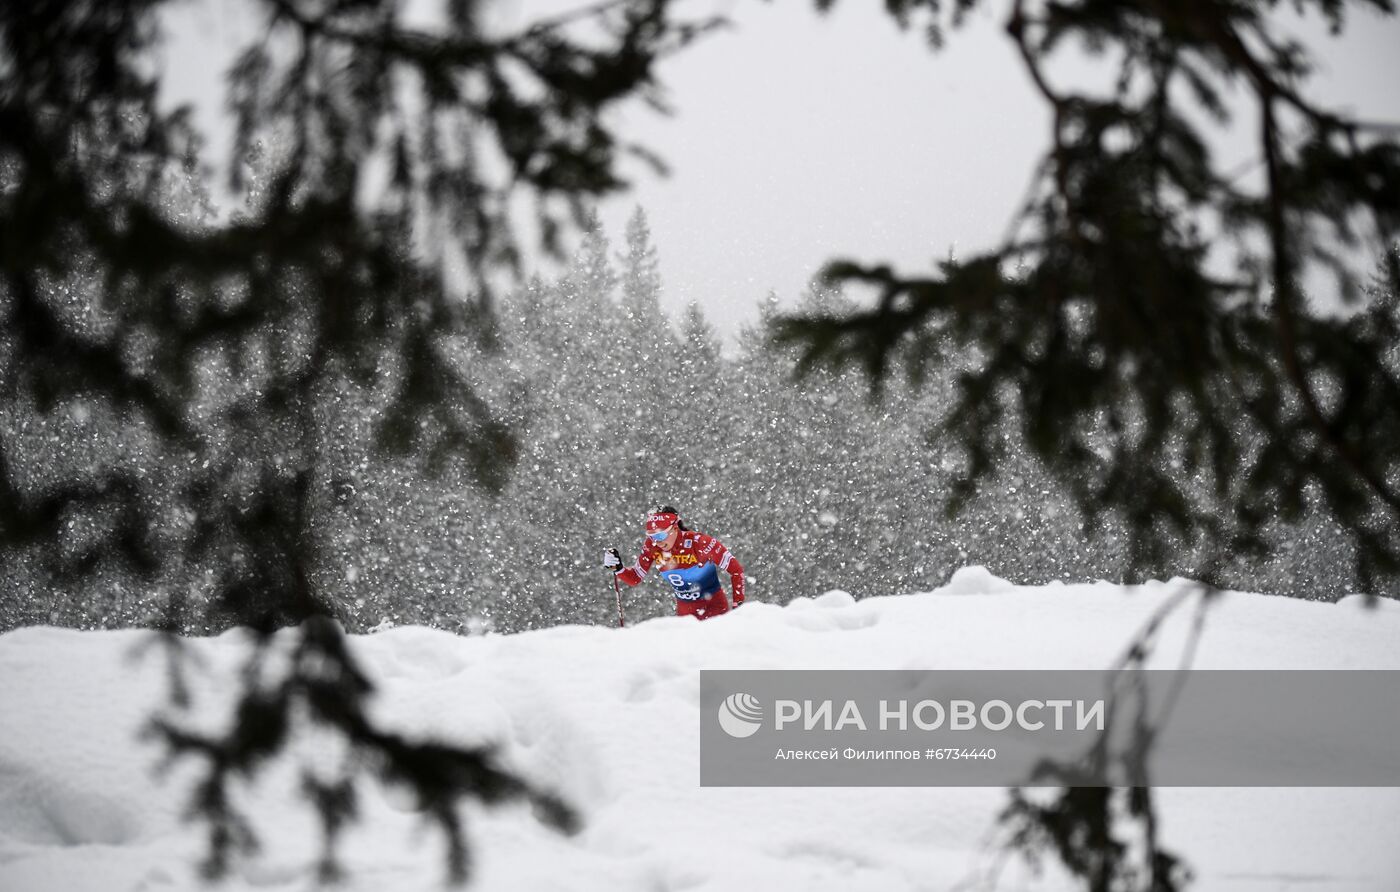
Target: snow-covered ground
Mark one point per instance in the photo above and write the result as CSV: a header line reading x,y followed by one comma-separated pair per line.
x,y
608,718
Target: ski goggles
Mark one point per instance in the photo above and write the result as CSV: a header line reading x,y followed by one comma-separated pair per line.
x,y
658,526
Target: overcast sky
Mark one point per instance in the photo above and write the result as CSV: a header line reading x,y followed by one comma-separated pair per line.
x,y
798,138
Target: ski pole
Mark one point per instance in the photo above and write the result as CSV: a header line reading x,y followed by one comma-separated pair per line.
x,y
617,590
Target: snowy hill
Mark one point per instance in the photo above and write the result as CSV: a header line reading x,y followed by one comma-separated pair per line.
x,y
608,718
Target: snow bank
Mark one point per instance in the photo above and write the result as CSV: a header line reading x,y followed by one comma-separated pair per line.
x,y
608,718
975,581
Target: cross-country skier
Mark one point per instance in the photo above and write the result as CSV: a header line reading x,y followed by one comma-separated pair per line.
x,y
690,561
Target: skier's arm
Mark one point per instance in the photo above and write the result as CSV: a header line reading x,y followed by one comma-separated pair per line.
x,y
638,571
726,561
736,574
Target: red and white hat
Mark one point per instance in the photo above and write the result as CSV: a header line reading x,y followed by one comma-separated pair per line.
x,y
661,520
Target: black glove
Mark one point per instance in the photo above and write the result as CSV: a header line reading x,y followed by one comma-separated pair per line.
x,y
612,560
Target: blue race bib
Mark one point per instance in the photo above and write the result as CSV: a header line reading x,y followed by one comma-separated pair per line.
x,y
693,583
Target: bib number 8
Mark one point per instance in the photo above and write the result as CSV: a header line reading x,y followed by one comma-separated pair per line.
x,y
679,584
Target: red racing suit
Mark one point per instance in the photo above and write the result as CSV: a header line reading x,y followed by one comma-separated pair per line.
x,y
692,568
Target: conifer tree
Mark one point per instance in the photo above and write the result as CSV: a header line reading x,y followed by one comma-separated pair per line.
x,y
641,274
340,276
649,366
1123,322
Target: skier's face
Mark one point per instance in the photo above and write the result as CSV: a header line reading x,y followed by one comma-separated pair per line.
x,y
664,539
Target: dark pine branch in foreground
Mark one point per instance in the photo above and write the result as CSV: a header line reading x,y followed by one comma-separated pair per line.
x,y
1145,332
377,162
1144,328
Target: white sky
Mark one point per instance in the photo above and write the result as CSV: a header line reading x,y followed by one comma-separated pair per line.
x,y
799,138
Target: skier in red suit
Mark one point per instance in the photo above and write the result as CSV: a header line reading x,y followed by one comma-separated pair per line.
x,y
691,562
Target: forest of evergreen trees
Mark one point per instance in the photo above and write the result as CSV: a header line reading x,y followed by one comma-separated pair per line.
x,y
814,484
